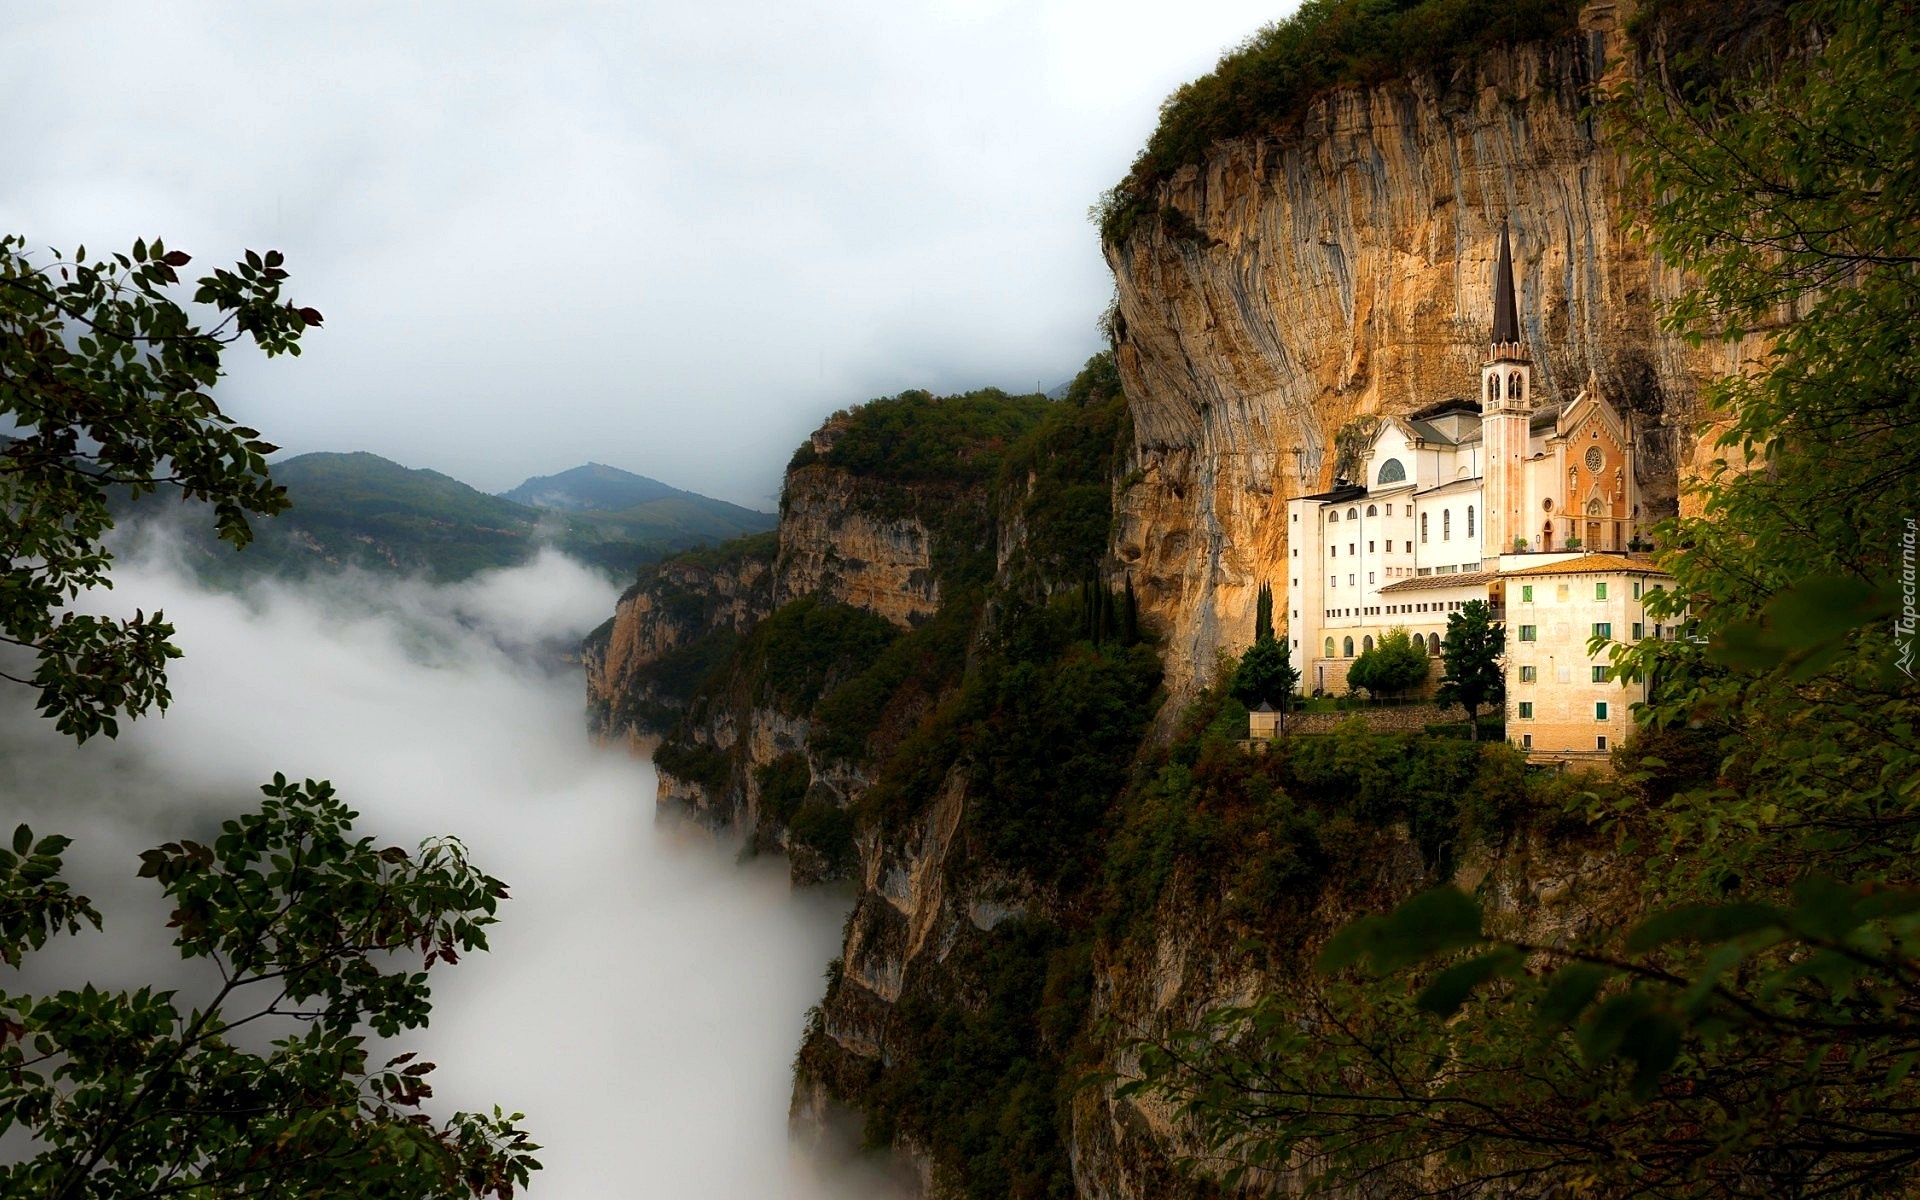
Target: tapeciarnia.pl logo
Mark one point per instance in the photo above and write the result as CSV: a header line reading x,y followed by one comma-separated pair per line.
x,y
1905,624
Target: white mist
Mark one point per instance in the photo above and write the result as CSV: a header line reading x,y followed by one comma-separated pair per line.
x,y
644,994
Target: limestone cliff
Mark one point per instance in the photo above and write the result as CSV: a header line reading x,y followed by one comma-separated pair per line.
x,y
883,512
1345,267
841,541
642,665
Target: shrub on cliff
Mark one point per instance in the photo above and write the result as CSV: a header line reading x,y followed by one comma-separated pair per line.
x,y
917,437
1056,482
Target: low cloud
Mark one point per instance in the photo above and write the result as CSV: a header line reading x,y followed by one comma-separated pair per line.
x,y
644,995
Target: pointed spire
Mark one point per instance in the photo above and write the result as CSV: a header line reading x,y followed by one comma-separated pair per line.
x,y
1506,313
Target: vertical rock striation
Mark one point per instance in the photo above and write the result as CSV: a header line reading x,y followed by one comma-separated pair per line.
x,y
1345,268
841,540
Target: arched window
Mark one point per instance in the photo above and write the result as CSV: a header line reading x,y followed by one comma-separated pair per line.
x,y
1446,526
1373,510
1392,471
1366,643
1493,387
1469,520
1433,643
1333,516
1329,647
1346,647
1513,385
1423,527
1420,644
1353,514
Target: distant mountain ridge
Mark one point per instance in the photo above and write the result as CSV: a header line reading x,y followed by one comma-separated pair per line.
x,y
592,487
363,510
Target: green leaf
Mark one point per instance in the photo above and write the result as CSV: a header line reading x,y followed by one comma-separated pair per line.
x,y
1601,1034
1450,989
1825,908
1442,919
1704,923
1568,993
22,840
1651,1043
1349,945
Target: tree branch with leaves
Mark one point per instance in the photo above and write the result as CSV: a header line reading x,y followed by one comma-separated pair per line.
x,y
311,931
105,380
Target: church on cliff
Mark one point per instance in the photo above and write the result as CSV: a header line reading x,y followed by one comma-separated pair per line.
x,y
1530,504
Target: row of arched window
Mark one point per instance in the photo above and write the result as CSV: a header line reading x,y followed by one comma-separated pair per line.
x,y
1430,646
1513,386
1446,520
1446,524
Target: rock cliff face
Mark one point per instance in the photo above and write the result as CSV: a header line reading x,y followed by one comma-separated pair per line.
x,y
1195,963
1345,269
840,540
673,606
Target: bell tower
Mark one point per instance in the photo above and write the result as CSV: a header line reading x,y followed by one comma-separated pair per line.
x,y
1506,404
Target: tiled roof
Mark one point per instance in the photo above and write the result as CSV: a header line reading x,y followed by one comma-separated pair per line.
x,y
1427,583
1591,564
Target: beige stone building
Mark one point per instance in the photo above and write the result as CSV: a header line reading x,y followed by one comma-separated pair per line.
x,y
1451,503
1562,698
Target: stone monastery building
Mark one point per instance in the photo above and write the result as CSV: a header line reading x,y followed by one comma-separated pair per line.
x,y
1524,502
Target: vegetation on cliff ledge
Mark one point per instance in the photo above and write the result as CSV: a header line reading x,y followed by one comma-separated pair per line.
x,y
917,437
1266,84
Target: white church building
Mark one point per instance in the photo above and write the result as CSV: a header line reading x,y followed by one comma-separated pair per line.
x,y
1455,502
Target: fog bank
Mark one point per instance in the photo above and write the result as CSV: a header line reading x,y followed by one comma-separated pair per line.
x,y
644,995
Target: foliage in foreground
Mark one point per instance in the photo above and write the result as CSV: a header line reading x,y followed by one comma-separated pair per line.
x,y
118,1095
1754,1035
128,1094
105,380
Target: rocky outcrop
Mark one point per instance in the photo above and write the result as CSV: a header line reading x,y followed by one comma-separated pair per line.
x,y
846,540
671,608
849,541
1345,268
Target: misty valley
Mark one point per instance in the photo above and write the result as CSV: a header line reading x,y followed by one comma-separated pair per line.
x,y
644,991
1427,711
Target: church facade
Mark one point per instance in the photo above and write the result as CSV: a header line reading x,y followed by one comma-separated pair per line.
x,y
1452,502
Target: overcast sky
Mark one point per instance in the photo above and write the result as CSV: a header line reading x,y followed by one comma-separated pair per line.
x,y
671,238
